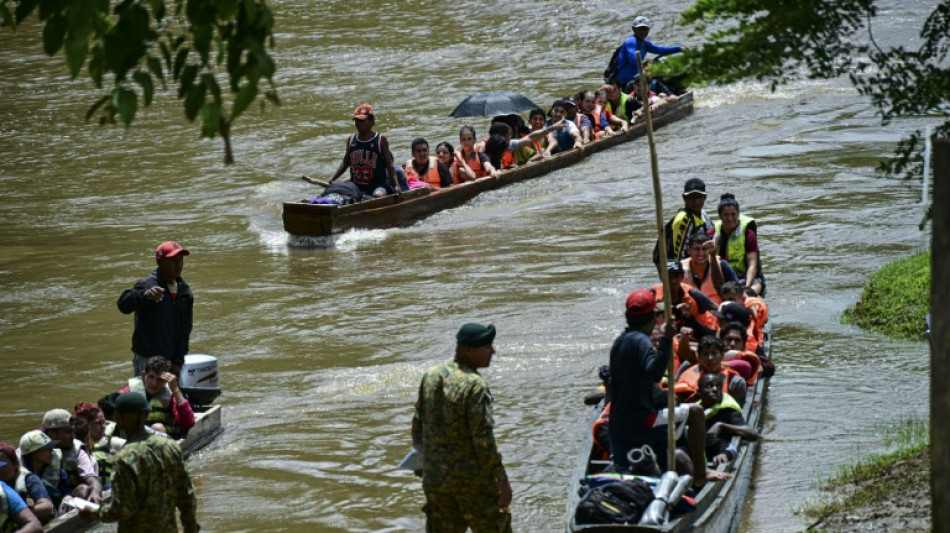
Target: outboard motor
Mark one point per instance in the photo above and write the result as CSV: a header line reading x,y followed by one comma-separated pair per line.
x,y
199,380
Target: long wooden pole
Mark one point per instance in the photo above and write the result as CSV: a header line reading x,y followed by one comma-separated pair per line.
x,y
664,273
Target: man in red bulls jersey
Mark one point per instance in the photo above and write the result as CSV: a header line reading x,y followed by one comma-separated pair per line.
x,y
368,157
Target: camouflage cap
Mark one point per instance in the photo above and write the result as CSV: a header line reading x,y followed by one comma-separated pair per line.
x,y
475,335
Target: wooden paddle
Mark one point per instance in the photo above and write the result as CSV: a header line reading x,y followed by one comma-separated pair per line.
x,y
664,274
308,179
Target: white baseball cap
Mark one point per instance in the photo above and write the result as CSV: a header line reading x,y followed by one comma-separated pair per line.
x,y
641,22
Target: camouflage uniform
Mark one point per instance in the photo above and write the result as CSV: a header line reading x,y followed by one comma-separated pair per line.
x,y
452,427
148,482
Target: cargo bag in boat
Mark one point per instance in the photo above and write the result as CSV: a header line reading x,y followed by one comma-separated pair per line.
x,y
622,502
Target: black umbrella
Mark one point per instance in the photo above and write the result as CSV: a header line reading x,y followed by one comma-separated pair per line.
x,y
492,104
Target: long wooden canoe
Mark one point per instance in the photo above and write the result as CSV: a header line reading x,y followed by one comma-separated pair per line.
x,y
718,505
316,220
207,428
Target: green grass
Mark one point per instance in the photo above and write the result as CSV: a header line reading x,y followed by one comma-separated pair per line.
x,y
876,477
896,299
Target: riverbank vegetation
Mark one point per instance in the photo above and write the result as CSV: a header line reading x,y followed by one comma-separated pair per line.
x,y
896,299
890,491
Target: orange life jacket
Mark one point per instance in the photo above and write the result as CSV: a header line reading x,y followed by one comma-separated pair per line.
x,y
754,362
706,319
687,386
759,311
454,171
600,451
707,286
476,165
432,174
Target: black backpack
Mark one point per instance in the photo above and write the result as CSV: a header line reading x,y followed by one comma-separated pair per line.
x,y
622,502
612,70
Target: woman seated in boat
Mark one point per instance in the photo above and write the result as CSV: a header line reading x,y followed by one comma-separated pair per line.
x,y
424,170
476,161
98,439
711,352
565,138
723,420
620,103
739,243
496,148
459,170
606,123
537,120
28,485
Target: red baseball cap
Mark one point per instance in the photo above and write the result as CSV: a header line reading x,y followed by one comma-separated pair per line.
x,y
363,111
169,249
641,302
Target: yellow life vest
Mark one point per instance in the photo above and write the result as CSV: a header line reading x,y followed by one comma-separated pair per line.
x,y
733,249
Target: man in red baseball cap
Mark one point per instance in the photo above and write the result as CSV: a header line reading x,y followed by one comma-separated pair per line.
x,y
162,303
368,157
636,368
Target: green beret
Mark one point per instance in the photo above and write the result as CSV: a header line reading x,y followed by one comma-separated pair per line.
x,y
132,402
475,335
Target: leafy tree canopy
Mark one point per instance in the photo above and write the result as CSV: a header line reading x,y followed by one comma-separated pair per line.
x,y
134,45
773,40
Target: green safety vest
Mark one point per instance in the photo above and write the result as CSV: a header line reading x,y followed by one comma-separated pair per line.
x,y
733,250
728,402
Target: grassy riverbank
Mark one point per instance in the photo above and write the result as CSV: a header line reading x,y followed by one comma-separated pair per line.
x,y
883,492
896,299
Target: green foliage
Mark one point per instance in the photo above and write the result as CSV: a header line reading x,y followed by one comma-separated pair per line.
x,y
896,299
877,477
132,43
773,40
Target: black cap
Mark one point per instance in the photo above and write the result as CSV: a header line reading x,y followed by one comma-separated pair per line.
x,y
675,267
475,335
733,311
694,186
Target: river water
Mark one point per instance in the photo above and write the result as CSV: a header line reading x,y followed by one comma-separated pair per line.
x,y
321,349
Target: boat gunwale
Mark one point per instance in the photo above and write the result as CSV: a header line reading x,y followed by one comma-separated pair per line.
x,y
337,219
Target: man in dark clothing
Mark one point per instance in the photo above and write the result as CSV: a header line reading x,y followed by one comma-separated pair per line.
x,y
635,368
162,303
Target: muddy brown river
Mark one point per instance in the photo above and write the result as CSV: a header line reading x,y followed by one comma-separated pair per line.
x,y
321,349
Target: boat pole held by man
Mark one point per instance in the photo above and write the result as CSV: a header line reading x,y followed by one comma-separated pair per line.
x,y
464,480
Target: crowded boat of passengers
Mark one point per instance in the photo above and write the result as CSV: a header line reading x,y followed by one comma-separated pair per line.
x,y
68,460
571,122
719,343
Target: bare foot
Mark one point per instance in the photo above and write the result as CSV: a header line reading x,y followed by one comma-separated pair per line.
x,y
711,475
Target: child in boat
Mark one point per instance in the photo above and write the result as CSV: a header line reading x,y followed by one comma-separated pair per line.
x,y
564,139
605,122
711,352
723,420
425,171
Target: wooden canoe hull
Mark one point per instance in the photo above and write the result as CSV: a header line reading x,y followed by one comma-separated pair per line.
x,y
207,428
718,505
315,220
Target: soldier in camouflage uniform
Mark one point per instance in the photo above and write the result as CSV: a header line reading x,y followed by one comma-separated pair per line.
x,y
149,479
464,480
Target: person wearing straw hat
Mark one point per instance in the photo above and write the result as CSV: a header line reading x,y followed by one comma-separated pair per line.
x,y
27,484
464,480
163,304
149,481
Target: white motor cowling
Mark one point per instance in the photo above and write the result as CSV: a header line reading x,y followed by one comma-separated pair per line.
x,y
200,382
